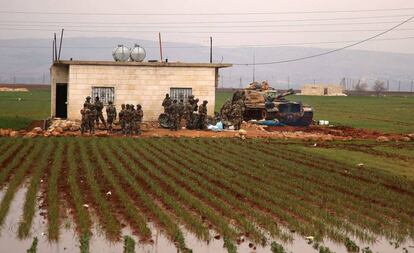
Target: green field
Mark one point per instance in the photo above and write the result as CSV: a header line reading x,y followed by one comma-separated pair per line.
x,y
386,114
265,190
18,114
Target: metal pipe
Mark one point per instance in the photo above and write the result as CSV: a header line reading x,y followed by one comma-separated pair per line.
x,y
211,49
159,38
60,46
54,38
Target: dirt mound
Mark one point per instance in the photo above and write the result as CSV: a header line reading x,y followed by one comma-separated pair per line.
x,y
339,131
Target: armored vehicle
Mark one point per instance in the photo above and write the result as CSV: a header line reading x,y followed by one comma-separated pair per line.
x,y
263,102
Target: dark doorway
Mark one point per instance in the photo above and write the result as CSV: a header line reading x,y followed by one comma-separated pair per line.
x,y
325,91
61,100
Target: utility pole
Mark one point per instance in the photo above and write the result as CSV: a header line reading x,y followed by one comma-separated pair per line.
x,y
388,85
211,49
43,78
159,39
240,85
288,82
254,66
412,84
14,79
399,86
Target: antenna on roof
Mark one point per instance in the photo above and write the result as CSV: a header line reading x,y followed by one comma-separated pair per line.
x,y
159,38
60,46
55,47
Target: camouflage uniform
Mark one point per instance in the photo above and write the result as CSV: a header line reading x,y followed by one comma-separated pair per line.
x,y
181,111
166,103
225,111
188,112
111,115
121,118
140,114
85,112
174,116
128,119
202,116
236,116
92,118
99,116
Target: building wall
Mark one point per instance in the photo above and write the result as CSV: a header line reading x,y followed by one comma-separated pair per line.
x,y
319,90
145,85
59,74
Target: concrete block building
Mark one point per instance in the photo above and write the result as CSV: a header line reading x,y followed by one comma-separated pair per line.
x,y
145,83
322,90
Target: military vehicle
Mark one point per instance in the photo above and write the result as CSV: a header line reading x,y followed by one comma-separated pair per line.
x,y
263,102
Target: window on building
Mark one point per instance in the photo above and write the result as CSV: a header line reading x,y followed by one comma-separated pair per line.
x,y
180,93
105,94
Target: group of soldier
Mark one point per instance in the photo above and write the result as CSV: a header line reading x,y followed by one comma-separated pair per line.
x,y
194,115
232,111
129,118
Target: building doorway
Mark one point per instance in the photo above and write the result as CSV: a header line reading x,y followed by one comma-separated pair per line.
x,y
325,91
61,100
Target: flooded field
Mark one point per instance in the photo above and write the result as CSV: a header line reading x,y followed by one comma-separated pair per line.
x,y
172,195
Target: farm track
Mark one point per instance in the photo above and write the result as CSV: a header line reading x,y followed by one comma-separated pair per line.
x,y
225,187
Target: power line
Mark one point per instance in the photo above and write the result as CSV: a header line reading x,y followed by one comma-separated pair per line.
x,y
216,21
217,46
203,32
57,24
332,51
202,14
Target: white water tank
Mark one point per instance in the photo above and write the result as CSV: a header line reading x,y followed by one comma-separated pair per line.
x,y
121,53
138,53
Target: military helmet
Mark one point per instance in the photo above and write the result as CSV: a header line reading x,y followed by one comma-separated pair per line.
x,y
205,102
88,98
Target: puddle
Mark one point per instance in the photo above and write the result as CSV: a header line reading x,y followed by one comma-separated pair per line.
x,y
69,242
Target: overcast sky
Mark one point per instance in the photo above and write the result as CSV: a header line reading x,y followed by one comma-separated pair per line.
x,y
292,22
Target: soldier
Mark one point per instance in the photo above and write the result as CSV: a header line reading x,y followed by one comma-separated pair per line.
x,y
225,110
128,119
166,103
121,118
87,101
174,116
92,118
236,116
99,116
188,113
85,112
181,111
140,115
134,120
202,115
111,115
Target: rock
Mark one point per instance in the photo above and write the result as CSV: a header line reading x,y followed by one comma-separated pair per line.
x,y
58,129
5,132
37,130
411,136
13,133
405,138
74,128
55,133
102,134
30,135
382,139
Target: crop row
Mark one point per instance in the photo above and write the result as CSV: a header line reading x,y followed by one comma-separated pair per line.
x,y
213,188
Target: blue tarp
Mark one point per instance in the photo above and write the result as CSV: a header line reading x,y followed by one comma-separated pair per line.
x,y
269,123
216,128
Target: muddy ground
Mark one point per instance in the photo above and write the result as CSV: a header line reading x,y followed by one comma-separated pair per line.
x,y
152,129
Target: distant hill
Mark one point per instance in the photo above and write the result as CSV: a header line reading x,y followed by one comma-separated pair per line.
x,y
28,60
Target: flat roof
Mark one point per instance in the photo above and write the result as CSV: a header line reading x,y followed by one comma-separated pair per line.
x,y
146,64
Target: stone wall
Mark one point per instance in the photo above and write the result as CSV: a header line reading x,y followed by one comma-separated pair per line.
x,y
146,85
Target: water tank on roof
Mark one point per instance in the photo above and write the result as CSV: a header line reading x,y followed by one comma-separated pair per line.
x,y
121,53
138,53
